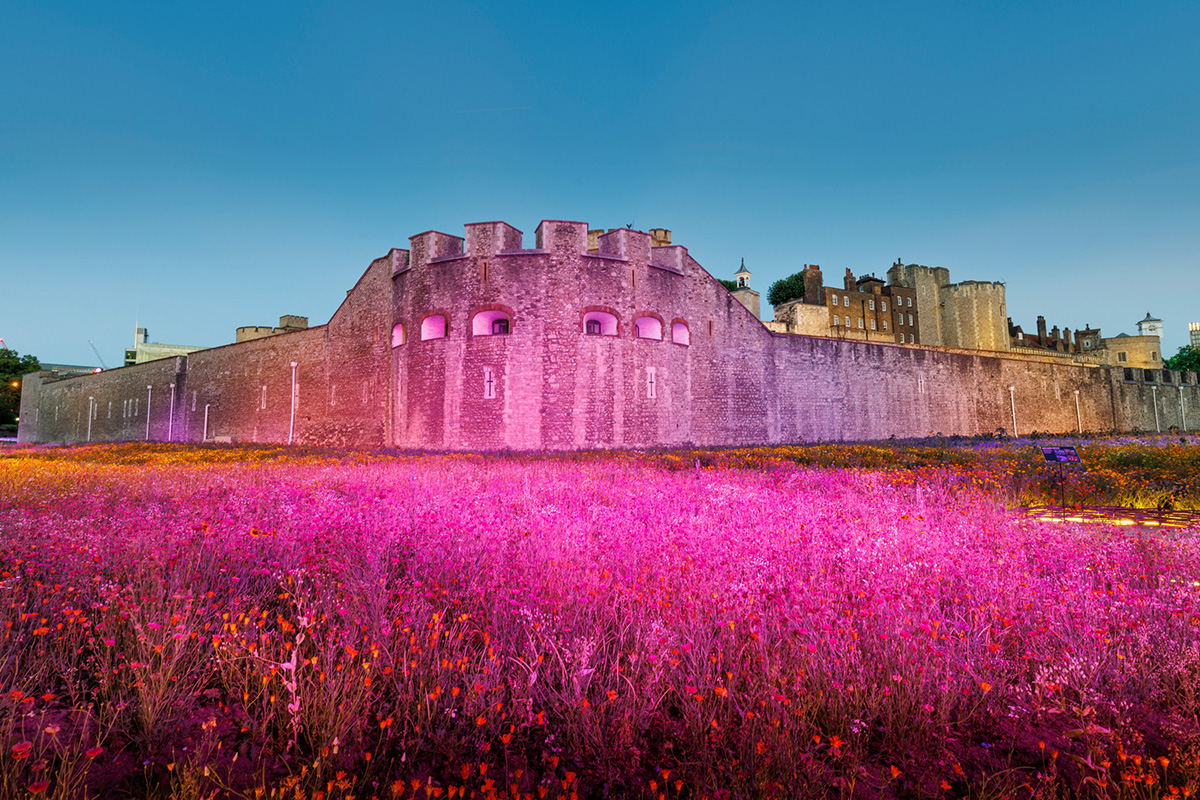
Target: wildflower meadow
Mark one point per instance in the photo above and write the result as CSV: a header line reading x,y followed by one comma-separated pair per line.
x,y
820,621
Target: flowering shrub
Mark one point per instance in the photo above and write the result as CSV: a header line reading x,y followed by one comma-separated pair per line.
x,y
738,623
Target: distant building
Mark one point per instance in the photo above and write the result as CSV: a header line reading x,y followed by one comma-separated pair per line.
x,y
744,294
969,315
1194,330
1150,326
865,308
1086,346
144,350
288,323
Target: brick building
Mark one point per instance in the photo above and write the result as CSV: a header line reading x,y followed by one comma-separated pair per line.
x,y
478,342
1087,346
864,308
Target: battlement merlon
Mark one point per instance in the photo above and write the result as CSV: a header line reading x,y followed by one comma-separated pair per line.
x,y
562,237
672,256
626,243
399,260
433,246
490,238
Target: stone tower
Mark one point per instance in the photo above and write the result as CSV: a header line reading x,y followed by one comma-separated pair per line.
x,y
745,295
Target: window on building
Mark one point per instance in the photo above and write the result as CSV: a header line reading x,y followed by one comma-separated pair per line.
x,y
1120,357
1129,374
872,324
846,300
489,383
910,302
647,328
1154,355
883,306
605,323
871,304
1150,375
397,334
885,324
860,323
680,333
910,322
651,382
490,322
433,327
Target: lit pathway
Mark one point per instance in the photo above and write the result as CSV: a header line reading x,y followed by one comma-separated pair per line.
x,y
1113,515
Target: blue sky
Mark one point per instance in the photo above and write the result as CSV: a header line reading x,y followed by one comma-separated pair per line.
x,y
214,165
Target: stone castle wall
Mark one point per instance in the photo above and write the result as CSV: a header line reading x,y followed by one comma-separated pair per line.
x,y
368,378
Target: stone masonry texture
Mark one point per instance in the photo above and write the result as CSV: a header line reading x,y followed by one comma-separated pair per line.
x,y
715,376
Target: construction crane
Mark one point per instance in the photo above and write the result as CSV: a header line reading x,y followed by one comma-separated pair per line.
x,y
97,352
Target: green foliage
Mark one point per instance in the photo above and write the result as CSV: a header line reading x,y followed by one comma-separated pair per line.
x,y
789,288
12,367
730,285
1188,358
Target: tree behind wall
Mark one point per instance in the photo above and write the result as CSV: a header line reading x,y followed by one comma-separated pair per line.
x,y
1188,358
12,366
789,288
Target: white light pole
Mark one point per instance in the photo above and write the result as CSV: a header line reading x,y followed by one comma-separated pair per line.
x,y
1078,416
206,405
1013,403
1182,413
149,392
1154,400
171,415
292,423
89,433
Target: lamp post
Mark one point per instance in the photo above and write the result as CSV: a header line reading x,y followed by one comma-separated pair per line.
x,y
1182,412
1013,404
1154,400
149,393
205,436
292,422
171,415
89,433
1078,416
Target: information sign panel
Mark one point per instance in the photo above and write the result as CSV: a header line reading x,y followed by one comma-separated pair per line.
x,y
1061,454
